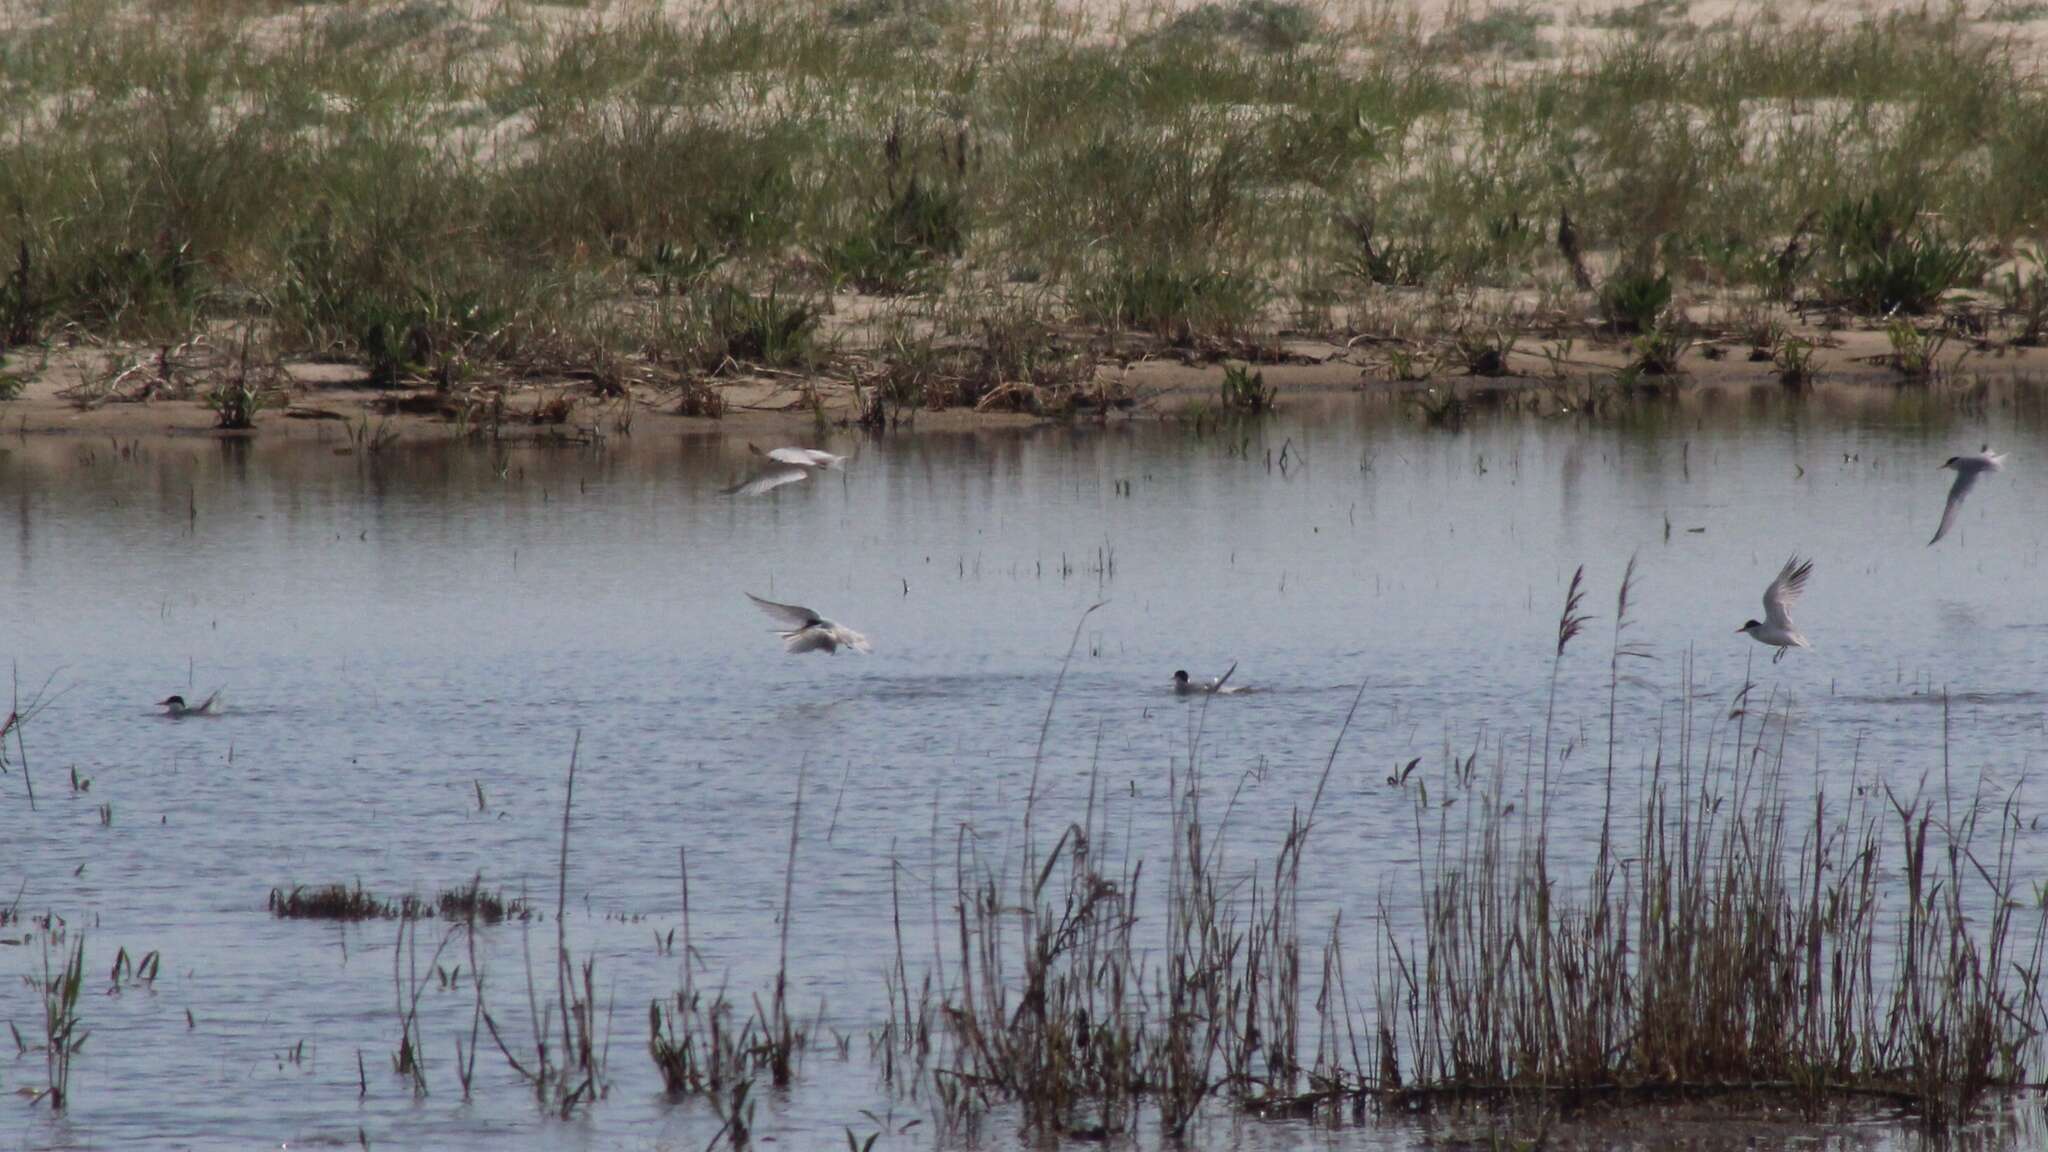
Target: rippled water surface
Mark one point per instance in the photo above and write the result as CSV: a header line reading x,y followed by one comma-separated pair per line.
x,y
404,635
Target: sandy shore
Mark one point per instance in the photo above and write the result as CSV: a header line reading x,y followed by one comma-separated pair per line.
x,y
72,395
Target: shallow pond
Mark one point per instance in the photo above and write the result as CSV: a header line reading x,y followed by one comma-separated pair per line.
x,y
411,642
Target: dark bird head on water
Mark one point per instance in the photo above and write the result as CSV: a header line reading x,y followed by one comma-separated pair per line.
x,y
1180,676
171,702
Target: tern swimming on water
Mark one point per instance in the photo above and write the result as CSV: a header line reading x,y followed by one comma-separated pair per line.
x,y
806,631
176,708
1777,628
1182,686
1968,469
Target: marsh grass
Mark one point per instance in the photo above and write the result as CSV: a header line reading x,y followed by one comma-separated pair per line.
x,y
474,904
692,1039
1512,33
336,902
1884,258
769,329
63,1038
1267,25
1794,362
1747,949
243,392
1175,304
902,244
333,184
1658,351
1916,354
470,903
1716,936
1051,1001
1634,299
1245,391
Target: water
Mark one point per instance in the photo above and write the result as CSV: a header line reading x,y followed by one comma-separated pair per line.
x,y
399,633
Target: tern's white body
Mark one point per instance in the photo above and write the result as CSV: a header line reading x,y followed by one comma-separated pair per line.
x,y
1968,470
1776,628
806,631
1183,686
801,457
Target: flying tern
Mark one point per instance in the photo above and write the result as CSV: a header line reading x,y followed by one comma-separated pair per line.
x,y
1968,469
805,631
1776,628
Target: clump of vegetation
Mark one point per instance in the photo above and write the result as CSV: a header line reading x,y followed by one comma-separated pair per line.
x,y
699,398
1794,361
1634,299
338,902
1443,409
911,22
1510,33
475,904
1019,348
62,1037
235,404
769,329
1915,354
1884,259
1646,18
1269,25
242,393
897,247
1173,303
1402,262
1245,391
1657,351
1731,956
2015,11
1484,349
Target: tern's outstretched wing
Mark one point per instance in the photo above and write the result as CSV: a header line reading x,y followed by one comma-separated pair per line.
x,y
1223,679
1966,479
1785,592
792,616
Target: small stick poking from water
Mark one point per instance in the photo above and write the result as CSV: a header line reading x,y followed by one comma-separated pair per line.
x,y
834,825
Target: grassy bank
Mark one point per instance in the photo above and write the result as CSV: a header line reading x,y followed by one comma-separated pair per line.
x,y
943,200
